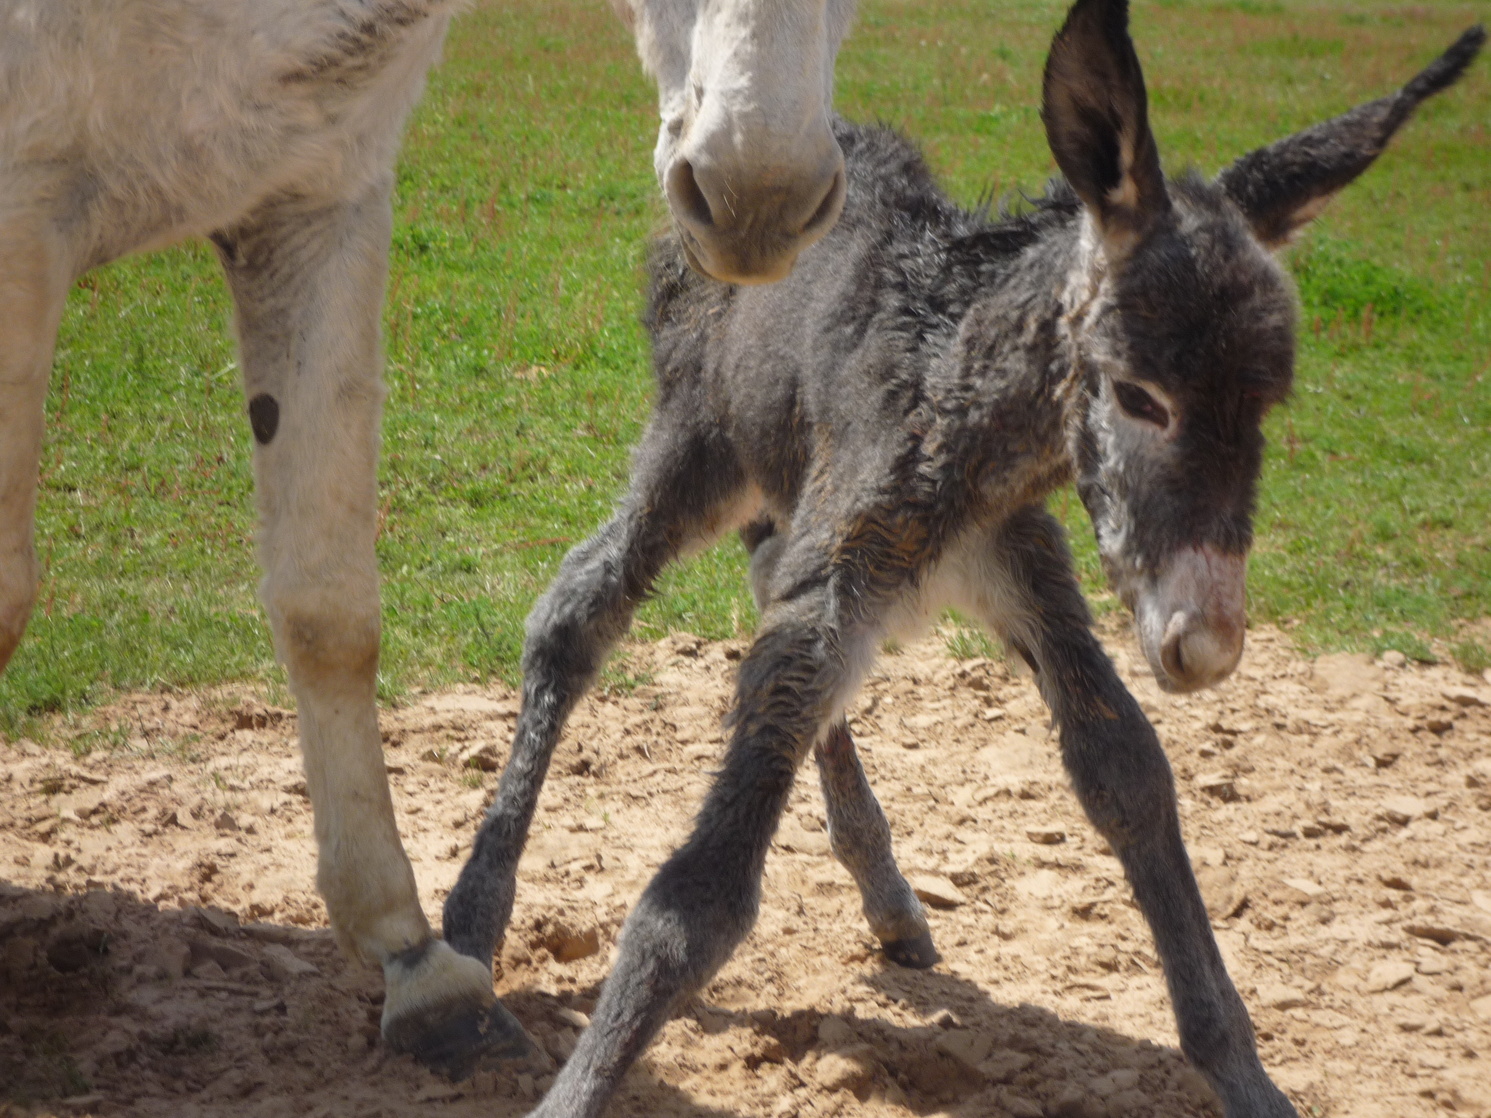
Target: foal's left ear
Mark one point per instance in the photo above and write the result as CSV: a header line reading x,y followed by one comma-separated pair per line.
x,y
1097,123
1284,186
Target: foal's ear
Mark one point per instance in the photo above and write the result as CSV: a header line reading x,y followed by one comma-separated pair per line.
x,y
1285,185
1097,123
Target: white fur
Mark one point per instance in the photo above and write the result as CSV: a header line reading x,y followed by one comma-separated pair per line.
x,y
127,125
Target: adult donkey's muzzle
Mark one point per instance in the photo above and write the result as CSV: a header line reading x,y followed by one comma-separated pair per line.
x,y
1192,617
742,222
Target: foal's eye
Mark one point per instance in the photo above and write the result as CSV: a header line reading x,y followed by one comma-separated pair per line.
x,y
1139,404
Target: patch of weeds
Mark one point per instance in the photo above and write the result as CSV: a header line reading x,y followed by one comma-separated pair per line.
x,y
621,677
45,1071
471,779
1472,656
1410,644
111,738
965,642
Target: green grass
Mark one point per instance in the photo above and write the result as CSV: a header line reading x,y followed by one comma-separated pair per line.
x,y
518,374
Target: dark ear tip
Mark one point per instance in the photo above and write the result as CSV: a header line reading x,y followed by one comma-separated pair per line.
x,y
1445,70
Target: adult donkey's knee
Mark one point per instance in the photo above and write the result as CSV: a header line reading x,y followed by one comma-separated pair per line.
x,y
18,575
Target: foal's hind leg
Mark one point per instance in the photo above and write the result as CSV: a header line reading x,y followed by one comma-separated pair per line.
x,y
683,485
1123,780
33,288
857,829
307,279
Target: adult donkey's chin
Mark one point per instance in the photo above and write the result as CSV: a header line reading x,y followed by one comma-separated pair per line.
x,y
745,155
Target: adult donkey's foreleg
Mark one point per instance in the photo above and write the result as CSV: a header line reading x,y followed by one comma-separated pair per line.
x,y
34,278
307,278
1123,779
858,832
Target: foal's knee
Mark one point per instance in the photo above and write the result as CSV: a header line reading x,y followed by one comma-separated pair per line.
x,y
17,597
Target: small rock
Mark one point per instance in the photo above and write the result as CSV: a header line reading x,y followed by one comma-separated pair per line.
x,y
937,891
1046,836
1218,785
1481,1007
966,1047
284,964
225,822
568,944
1385,758
1132,1103
1393,881
1119,1079
224,955
946,1019
1276,995
483,757
1389,976
1004,1064
1439,725
1403,810
573,1017
1074,1102
1481,900
848,1070
1303,890
1437,933
1464,697
525,1084
1392,658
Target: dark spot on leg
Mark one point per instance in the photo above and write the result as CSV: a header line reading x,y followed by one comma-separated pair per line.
x,y
264,417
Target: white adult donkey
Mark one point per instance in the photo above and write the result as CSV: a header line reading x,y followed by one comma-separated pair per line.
x,y
271,126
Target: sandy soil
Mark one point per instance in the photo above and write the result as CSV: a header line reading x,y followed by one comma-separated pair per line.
x,y
163,952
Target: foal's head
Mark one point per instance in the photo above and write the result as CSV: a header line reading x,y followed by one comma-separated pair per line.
x,y
1183,325
745,153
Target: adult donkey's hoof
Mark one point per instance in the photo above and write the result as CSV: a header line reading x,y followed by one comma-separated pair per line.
x,y
916,952
440,1009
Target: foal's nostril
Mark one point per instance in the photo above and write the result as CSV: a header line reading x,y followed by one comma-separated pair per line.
x,y
1172,654
686,197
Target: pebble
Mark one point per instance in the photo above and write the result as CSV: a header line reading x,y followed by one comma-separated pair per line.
x,y
284,964
573,1017
1219,785
1403,810
1481,1007
1464,697
1389,976
1392,658
1308,890
568,944
1277,995
1046,836
937,891
845,1071
967,1047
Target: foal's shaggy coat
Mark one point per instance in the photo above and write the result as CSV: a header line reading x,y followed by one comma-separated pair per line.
x,y
888,422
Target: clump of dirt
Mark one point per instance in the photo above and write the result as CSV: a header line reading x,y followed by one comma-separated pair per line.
x,y
163,952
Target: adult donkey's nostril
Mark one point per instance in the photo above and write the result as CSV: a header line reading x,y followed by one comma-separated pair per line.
x,y
828,208
687,198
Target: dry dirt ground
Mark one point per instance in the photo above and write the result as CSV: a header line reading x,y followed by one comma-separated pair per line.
x,y
163,953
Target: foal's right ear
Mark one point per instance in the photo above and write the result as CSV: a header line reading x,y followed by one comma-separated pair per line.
x,y
1097,123
1283,186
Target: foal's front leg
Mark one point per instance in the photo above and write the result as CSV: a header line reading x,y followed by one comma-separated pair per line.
x,y
307,279
704,900
1123,780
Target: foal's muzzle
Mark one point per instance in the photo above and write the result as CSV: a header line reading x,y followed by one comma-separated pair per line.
x,y
1192,617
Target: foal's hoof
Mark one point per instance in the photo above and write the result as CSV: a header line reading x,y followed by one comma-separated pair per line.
x,y
456,1045
440,1008
916,952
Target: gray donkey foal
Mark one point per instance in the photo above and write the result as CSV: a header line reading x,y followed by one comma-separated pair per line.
x,y
887,422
